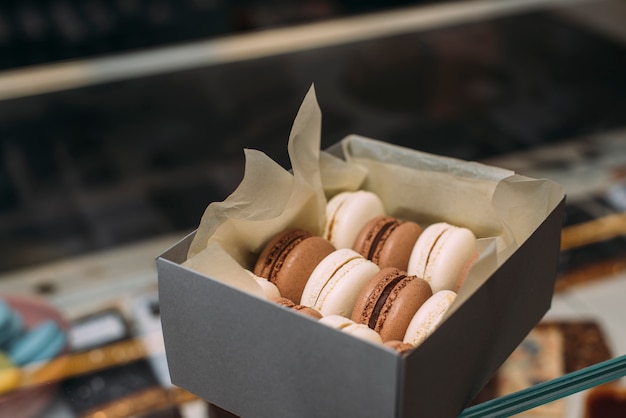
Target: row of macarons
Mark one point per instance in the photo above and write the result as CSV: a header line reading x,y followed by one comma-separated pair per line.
x,y
402,325
370,274
21,345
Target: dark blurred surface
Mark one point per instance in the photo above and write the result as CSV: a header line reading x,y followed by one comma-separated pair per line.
x,y
103,165
41,31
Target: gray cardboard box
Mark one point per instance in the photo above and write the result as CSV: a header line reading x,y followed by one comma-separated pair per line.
x,y
256,359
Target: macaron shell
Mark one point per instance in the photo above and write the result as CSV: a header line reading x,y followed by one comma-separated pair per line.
x,y
269,289
332,207
449,258
6,316
298,266
287,303
301,309
347,213
423,245
374,233
342,296
307,311
288,259
428,317
397,248
13,327
363,332
324,271
341,289
31,401
371,292
399,346
52,348
336,321
400,305
350,327
27,347
441,255
276,250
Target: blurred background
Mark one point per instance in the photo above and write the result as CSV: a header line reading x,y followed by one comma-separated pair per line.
x,y
112,149
121,120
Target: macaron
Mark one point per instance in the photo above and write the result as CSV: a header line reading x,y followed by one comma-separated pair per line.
x,y
269,289
428,317
335,283
347,212
11,324
10,375
400,346
443,255
6,314
301,309
388,302
288,259
42,342
387,241
350,327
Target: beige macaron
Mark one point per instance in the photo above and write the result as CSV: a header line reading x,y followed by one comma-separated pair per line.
x,y
428,317
443,255
347,213
335,283
350,327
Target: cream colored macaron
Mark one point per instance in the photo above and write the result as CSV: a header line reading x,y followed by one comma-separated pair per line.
x,y
428,317
443,255
350,327
347,213
335,283
269,289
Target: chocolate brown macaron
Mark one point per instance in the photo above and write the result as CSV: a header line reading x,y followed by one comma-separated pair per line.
x,y
288,259
301,309
388,302
400,346
387,241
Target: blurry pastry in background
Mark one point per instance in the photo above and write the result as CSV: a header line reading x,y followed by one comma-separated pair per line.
x,y
550,350
606,401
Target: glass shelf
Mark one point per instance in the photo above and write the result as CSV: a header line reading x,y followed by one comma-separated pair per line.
x,y
549,391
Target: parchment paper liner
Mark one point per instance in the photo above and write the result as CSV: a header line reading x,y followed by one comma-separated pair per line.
x,y
502,208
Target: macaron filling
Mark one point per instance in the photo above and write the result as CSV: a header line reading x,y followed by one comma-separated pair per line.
x,y
334,276
425,274
379,307
328,234
379,239
279,252
325,272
